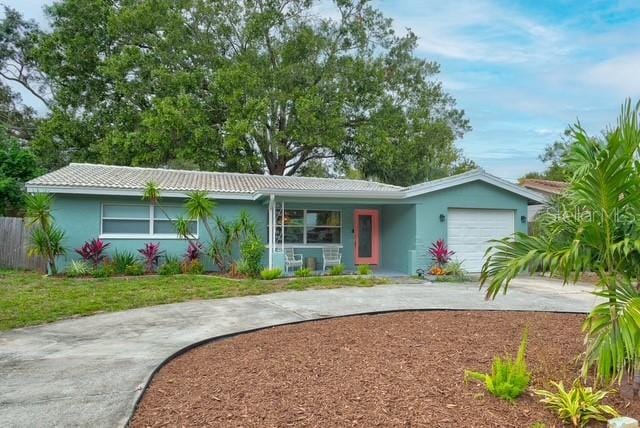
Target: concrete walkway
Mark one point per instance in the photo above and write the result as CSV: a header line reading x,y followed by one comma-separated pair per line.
x,y
89,371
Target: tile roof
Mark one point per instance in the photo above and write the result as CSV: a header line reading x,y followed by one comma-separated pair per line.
x,y
545,186
135,178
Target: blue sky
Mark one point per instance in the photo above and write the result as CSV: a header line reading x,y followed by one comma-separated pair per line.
x,y
522,71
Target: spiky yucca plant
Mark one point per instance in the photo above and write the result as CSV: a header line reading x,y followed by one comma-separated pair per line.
x,y
46,239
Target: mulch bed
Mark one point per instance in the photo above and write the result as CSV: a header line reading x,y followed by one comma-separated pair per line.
x,y
400,369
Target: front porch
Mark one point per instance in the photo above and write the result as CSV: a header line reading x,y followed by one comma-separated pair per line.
x,y
376,233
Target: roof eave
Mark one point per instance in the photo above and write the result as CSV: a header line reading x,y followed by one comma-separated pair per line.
x,y
113,191
479,174
393,194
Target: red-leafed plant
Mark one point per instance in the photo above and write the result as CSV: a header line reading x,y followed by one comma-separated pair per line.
x,y
93,251
151,254
193,251
440,253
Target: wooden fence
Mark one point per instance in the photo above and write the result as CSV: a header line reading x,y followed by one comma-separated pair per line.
x,y
14,243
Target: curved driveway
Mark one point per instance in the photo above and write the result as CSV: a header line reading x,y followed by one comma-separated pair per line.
x,y
89,371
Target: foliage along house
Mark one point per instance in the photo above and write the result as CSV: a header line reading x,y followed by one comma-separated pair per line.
x,y
371,223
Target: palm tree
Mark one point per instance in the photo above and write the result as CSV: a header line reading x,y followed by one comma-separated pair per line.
x,y
46,238
592,228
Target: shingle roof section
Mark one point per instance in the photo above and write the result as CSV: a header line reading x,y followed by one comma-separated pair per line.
x,y
124,177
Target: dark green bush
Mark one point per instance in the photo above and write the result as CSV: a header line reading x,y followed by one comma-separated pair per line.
x,y
122,259
269,274
303,272
105,270
337,269
364,270
134,269
171,266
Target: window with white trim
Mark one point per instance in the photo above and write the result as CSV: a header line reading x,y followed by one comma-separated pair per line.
x,y
314,227
138,220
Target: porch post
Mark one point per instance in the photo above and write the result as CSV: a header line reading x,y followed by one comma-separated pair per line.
x,y
271,228
282,232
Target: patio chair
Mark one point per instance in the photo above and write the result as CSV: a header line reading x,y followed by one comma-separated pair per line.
x,y
291,259
330,257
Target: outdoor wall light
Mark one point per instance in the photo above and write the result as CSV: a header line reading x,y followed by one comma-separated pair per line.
x,y
523,218
442,218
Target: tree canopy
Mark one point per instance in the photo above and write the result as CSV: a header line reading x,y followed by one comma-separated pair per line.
x,y
276,86
17,165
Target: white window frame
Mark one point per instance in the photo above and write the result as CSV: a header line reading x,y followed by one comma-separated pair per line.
x,y
151,219
304,226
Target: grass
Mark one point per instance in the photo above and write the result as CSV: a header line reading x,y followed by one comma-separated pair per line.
x,y
29,298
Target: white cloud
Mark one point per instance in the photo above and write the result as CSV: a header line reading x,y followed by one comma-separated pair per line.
x,y
621,74
483,31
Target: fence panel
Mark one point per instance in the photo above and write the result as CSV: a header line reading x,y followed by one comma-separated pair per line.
x,y
14,243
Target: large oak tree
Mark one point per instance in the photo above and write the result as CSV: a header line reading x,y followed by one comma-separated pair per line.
x,y
254,85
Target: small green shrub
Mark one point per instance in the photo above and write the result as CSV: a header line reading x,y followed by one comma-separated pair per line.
x,y
303,272
364,270
337,269
171,266
539,425
78,268
269,274
509,378
193,267
251,251
456,272
134,269
122,259
105,270
579,406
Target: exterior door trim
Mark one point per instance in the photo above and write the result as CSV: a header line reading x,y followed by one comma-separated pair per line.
x,y
375,236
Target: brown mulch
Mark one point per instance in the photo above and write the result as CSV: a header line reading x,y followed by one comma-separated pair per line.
x,y
400,369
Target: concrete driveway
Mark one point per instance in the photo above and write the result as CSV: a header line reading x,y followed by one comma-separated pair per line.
x,y
89,371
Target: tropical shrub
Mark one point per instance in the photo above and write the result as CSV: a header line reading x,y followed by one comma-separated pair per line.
x,y
194,267
151,255
251,252
364,270
46,239
593,227
134,269
303,272
122,259
104,270
78,268
194,250
171,266
508,378
337,269
269,274
93,251
224,236
440,253
579,406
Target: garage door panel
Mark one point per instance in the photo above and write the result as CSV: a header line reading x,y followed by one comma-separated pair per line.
x,y
470,230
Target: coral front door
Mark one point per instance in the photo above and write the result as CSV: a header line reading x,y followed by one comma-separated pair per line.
x,y
367,230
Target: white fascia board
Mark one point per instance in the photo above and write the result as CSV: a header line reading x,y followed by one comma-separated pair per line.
x,y
456,180
101,191
397,194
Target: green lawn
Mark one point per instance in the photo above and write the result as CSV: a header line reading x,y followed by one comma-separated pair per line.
x,y
28,298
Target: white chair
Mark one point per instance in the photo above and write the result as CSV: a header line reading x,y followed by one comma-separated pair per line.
x,y
291,259
330,257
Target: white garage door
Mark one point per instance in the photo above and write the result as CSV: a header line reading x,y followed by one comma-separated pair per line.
x,y
470,230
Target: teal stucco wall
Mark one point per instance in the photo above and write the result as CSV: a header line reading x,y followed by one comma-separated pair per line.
x,y
79,217
476,194
407,227
398,231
